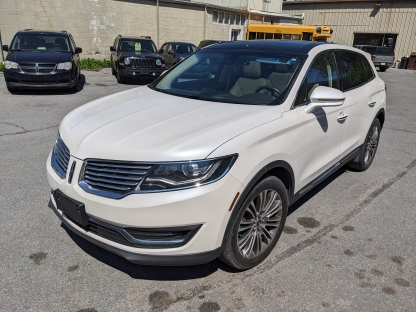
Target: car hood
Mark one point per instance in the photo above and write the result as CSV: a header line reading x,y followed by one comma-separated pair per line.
x,y
38,57
145,125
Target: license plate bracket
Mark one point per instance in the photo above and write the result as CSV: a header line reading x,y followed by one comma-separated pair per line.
x,y
71,208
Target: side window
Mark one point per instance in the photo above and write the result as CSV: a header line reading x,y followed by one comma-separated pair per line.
x,y
368,70
71,40
322,72
350,69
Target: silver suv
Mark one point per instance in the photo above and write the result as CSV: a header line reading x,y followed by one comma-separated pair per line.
x,y
382,57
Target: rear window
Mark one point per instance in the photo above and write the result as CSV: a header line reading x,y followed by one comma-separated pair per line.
x,y
371,50
385,51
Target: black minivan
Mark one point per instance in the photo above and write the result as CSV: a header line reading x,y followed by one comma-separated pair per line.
x,y
42,59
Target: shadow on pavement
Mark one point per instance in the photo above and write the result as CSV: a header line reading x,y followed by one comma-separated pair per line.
x,y
316,190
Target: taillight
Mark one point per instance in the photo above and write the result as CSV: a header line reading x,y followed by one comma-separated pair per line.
x,y
373,57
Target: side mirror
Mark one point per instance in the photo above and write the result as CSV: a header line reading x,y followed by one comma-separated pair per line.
x,y
324,97
5,48
160,51
170,52
112,49
78,50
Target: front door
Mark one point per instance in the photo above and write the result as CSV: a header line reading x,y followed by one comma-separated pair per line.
x,y
321,132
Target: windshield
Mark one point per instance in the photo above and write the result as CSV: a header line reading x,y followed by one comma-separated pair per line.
x,y
254,77
371,50
137,45
41,43
185,48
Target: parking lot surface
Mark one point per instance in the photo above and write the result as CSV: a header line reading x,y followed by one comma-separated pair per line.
x,y
348,245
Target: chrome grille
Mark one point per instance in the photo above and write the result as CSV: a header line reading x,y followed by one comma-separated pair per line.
x,y
60,157
143,63
37,67
113,176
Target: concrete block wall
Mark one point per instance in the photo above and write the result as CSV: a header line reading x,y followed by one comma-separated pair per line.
x,y
95,23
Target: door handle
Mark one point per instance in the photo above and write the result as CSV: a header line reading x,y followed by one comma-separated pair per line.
x,y
372,103
342,117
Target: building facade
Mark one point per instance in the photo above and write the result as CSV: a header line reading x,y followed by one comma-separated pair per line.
x,y
95,23
381,22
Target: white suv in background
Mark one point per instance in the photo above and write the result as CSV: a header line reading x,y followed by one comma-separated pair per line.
x,y
205,161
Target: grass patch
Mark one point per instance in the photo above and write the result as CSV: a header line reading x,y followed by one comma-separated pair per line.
x,y
93,64
1,66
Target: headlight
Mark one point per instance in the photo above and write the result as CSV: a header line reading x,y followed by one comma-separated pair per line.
x,y
127,61
158,62
66,66
179,175
9,65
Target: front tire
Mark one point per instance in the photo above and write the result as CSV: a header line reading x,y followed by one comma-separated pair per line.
x,y
368,149
258,225
120,79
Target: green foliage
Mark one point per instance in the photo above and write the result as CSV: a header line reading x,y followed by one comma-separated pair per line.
x,y
1,66
93,64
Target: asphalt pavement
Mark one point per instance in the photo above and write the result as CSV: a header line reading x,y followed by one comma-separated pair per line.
x,y
348,245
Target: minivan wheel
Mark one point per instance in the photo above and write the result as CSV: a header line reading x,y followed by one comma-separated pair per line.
x,y
258,225
368,149
382,68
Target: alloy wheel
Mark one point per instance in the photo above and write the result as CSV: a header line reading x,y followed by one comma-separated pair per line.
x,y
259,224
371,145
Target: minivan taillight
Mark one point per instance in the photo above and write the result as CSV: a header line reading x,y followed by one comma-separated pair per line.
x,y
373,57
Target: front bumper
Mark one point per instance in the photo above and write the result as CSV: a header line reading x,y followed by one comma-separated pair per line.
x,y
130,72
18,79
207,206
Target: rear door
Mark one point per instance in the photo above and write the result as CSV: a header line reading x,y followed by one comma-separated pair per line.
x,y
362,88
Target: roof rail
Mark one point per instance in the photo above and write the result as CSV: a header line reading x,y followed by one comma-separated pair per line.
x,y
147,37
27,29
63,31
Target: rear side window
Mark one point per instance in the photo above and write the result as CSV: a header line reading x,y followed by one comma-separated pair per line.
x,y
385,51
371,50
323,72
368,70
350,69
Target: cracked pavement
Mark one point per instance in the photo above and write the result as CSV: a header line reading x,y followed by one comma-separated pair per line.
x,y
348,245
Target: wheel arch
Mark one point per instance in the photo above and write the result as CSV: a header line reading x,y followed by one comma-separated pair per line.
x,y
381,116
280,169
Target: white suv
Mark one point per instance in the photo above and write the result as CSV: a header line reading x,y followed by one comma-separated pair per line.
x,y
205,161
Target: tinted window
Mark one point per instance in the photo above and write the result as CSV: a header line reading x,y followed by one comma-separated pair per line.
x,y
277,36
350,69
34,42
371,50
368,70
232,76
385,51
323,72
136,45
185,48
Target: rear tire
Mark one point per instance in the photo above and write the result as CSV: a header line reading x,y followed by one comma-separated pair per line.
x,y
368,149
113,72
382,68
258,225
